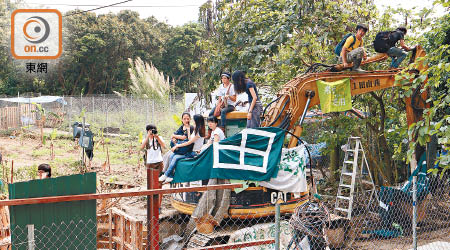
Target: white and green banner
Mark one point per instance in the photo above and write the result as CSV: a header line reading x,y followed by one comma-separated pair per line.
x,y
292,171
335,96
253,154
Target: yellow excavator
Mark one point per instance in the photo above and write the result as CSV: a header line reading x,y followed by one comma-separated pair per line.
x,y
288,112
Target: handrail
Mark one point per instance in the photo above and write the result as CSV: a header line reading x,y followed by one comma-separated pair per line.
x,y
83,197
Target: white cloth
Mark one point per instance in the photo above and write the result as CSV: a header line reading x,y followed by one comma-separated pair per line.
x,y
263,231
198,143
223,92
292,171
153,156
218,132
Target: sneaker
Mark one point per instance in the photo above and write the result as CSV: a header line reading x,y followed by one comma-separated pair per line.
x,y
162,178
359,70
168,179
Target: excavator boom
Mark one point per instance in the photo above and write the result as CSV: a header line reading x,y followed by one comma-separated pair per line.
x,y
299,94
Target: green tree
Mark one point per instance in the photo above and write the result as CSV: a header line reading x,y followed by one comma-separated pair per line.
x,y
181,57
436,120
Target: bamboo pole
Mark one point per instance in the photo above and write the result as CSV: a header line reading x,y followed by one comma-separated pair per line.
x,y
12,171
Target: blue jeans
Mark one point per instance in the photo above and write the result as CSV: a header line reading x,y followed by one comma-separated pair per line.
x,y
397,55
174,158
223,114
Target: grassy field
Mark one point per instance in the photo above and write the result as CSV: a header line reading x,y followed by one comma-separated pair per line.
x,y
26,151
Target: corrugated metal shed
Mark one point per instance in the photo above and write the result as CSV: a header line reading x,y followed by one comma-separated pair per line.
x,y
63,225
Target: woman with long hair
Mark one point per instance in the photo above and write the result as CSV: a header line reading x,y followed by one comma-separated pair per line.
x,y
184,131
195,142
197,136
243,84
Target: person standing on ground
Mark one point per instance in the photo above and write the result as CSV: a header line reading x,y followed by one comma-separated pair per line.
x,y
227,99
153,144
353,50
243,84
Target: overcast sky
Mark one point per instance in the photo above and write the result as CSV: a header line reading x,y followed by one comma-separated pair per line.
x,y
176,12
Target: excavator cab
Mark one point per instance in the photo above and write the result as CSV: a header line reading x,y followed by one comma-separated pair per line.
x,y
236,122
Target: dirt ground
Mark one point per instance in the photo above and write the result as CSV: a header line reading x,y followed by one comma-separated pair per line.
x,y
27,153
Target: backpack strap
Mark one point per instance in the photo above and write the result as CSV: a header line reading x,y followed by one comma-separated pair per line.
x,y
354,41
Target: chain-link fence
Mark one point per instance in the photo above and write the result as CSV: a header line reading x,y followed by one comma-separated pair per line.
x,y
110,114
385,224
74,234
383,220
126,115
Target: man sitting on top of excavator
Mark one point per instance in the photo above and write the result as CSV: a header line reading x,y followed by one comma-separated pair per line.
x,y
350,49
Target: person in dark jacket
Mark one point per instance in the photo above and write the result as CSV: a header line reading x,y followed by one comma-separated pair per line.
x,y
243,84
397,54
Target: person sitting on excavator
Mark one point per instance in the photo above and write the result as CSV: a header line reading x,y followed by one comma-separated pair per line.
x,y
385,42
227,99
352,49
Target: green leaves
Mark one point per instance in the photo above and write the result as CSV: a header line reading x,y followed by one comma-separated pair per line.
x,y
436,118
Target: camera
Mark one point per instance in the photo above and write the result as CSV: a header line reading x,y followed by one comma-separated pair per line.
x,y
154,131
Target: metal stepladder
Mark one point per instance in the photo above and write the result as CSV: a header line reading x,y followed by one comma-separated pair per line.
x,y
359,175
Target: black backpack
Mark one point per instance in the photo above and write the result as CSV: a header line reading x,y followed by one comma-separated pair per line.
x,y
382,41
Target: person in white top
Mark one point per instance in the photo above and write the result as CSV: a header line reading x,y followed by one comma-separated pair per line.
x,y
153,144
227,98
217,133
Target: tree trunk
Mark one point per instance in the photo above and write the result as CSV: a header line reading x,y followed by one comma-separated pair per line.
x,y
387,158
334,163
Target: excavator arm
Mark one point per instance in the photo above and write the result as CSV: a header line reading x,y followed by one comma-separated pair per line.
x,y
299,94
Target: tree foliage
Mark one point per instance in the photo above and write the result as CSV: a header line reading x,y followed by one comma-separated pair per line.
x,y
436,120
95,55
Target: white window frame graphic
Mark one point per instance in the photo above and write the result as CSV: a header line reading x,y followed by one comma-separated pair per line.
x,y
242,150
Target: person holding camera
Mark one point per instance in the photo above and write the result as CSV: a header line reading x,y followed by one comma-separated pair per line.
x,y
153,144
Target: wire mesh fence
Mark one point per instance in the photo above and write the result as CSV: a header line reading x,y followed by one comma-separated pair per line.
x,y
387,224
115,114
63,235
110,114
